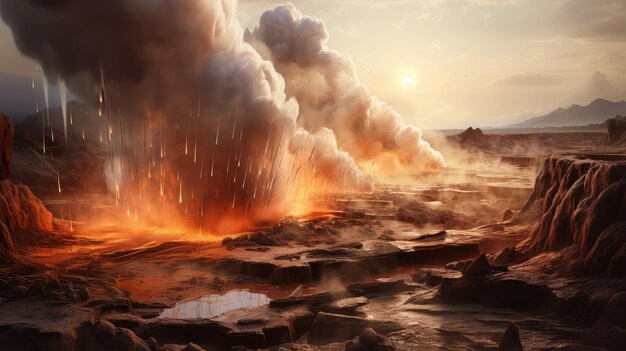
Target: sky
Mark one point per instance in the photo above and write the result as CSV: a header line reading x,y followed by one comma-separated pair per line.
x,y
455,63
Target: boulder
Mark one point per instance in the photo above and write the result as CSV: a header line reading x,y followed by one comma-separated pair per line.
x,y
128,341
433,276
348,306
369,340
511,339
478,267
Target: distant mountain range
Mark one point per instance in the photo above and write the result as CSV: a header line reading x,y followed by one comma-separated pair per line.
x,y
17,96
598,111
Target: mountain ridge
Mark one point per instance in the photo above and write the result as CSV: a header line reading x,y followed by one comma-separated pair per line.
x,y
597,111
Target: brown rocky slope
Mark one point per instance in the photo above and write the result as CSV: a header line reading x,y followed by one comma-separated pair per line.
x,y
20,210
582,201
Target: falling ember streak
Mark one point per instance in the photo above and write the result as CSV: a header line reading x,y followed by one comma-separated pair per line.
x,y
235,120
59,182
201,170
213,162
63,96
217,134
186,140
180,193
269,135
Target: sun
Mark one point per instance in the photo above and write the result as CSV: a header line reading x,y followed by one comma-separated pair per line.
x,y
408,81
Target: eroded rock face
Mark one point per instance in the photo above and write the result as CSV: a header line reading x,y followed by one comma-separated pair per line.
x,y
6,244
6,147
583,206
20,209
617,130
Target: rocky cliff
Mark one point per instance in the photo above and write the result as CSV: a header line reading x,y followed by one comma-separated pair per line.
x,y
6,142
20,210
582,206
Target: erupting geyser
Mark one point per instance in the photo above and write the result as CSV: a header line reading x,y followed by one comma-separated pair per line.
x,y
202,131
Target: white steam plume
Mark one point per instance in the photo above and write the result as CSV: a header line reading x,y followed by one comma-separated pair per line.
x,y
331,96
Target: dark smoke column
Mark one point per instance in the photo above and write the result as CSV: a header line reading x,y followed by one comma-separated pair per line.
x,y
199,130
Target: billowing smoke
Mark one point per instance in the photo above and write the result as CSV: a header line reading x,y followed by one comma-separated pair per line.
x,y
330,94
198,126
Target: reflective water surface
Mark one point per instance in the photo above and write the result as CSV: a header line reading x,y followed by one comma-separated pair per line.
x,y
211,306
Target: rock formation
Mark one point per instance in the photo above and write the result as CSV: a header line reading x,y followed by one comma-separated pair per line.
x,y
617,130
583,213
471,135
511,340
369,340
20,210
77,160
6,142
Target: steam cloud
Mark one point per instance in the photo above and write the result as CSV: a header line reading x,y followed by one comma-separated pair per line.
x,y
199,127
330,94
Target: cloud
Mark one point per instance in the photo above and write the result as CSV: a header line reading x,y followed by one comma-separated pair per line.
x,y
528,79
600,86
598,20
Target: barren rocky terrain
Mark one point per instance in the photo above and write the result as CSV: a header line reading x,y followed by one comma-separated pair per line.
x,y
523,251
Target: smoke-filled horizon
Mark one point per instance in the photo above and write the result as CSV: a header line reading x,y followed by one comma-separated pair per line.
x,y
201,130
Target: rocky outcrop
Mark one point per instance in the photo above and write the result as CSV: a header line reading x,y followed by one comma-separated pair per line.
x,y
6,146
78,160
19,208
471,135
369,340
511,340
583,213
616,128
